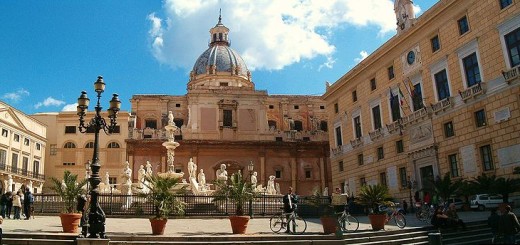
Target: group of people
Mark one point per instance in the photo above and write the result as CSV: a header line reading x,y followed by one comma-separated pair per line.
x,y
23,198
447,218
505,225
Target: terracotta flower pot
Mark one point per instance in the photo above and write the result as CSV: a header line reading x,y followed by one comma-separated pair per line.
x,y
158,226
377,221
70,222
239,224
329,224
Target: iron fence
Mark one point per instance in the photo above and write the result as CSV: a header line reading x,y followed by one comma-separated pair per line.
x,y
134,205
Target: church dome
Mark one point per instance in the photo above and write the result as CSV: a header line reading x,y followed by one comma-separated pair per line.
x,y
220,58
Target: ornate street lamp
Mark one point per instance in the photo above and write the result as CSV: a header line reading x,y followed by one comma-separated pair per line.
x,y
250,168
96,216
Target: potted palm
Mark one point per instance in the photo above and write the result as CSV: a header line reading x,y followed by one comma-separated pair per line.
x,y
163,196
327,216
69,189
373,196
238,191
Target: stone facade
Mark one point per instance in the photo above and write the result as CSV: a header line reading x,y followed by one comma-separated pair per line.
x,y
442,96
22,150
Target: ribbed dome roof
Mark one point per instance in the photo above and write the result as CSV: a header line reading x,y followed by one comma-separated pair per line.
x,y
223,59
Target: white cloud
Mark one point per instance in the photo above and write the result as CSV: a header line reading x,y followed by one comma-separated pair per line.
x,y
49,102
268,34
16,96
329,63
70,107
363,55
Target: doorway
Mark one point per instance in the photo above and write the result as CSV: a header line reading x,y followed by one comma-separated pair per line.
x,y
427,177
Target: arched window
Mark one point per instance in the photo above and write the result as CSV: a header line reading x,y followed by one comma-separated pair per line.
x,y
113,145
69,145
89,145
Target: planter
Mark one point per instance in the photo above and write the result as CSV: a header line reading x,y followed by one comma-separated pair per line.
x,y
239,224
329,224
377,221
158,226
70,222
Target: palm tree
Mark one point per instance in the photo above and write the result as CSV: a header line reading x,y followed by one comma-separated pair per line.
x,y
484,183
445,188
238,191
373,196
466,190
69,189
163,196
505,186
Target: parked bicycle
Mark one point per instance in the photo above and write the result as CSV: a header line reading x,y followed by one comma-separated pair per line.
x,y
279,221
348,223
424,212
392,213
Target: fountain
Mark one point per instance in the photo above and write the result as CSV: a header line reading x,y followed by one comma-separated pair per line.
x,y
170,147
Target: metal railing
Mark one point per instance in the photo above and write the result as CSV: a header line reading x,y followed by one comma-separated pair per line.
x,y
134,205
21,171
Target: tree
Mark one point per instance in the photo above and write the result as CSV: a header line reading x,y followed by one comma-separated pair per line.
x,y
445,188
505,186
69,189
465,190
484,184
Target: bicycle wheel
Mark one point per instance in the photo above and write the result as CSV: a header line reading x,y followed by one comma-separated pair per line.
x,y
297,225
349,223
400,220
276,223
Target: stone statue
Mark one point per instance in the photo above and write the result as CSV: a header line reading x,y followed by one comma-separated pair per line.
x,y
222,173
291,124
270,185
10,183
63,185
106,181
140,175
254,180
127,174
325,191
278,188
170,118
149,168
202,178
192,169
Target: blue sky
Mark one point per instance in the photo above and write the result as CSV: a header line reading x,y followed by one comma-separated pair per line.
x,y
51,50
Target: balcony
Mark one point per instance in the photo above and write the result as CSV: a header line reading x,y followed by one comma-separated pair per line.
x,y
356,143
441,105
416,116
150,133
337,151
393,127
471,92
511,74
376,134
21,172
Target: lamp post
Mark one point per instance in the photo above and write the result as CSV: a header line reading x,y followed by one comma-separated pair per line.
x,y
411,185
250,168
87,171
96,216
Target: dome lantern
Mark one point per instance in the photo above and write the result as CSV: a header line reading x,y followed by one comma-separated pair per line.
x,y
219,33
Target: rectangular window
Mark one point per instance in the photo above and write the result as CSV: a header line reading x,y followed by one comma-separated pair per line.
x,y
380,153
448,130
512,40
271,106
112,180
36,168
296,107
362,181
38,146
357,127
505,3
53,149
16,138
177,105
70,129
399,146
336,108
340,165
395,107
376,116
382,178
91,130
471,69
360,159
373,85
150,124
454,168
463,25
26,141
417,98
354,96
436,45
117,129
480,118
322,107
25,165
69,164
278,174
308,174
402,177
228,118
441,83
5,133
3,158
339,138
14,161
391,74
486,157
222,84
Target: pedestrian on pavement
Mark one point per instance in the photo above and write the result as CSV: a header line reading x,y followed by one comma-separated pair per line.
x,y
493,220
1,231
427,198
508,225
9,206
453,217
17,204
289,204
405,206
3,204
28,201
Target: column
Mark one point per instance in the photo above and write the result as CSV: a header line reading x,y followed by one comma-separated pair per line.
x,y
322,173
262,170
293,175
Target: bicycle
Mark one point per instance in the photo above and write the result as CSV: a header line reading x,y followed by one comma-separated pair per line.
x,y
397,216
279,221
424,212
348,223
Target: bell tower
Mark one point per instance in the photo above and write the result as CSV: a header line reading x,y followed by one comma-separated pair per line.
x,y
404,14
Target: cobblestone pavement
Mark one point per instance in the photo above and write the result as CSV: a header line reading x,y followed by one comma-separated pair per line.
x,y
189,226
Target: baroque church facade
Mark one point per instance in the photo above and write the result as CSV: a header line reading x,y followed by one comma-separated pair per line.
x,y
441,97
223,119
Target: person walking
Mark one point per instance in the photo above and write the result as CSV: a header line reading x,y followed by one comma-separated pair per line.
x,y
3,204
17,204
493,220
28,201
508,225
289,204
9,206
